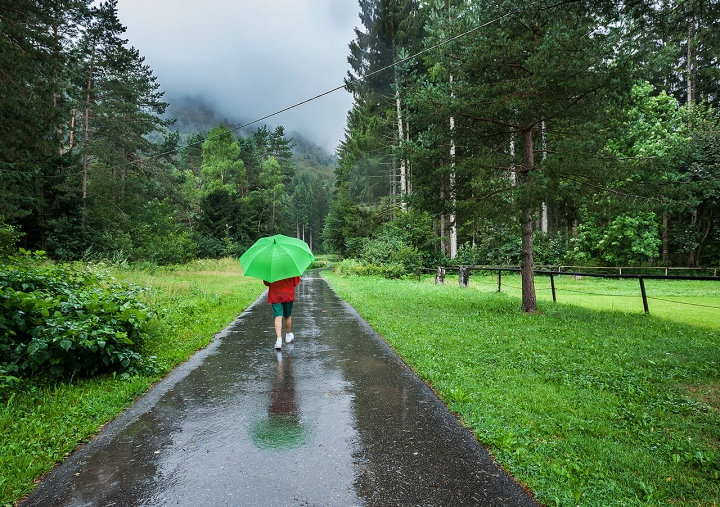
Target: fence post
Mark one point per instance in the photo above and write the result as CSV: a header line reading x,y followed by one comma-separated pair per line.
x,y
552,284
499,278
463,276
644,295
440,276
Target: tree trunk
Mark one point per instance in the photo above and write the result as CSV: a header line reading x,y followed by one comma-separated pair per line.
x,y
440,276
453,225
693,252
72,131
453,218
408,169
527,264
706,235
690,68
87,134
544,221
443,239
401,137
59,130
463,276
665,240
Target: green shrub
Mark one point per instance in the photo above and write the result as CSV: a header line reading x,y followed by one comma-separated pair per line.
x,y
9,237
67,320
551,250
353,267
380,249
394,270
408,258
628,239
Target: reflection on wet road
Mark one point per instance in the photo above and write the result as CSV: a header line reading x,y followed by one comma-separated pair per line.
x,y
334,419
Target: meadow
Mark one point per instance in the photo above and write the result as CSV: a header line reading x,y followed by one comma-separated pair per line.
x,y
587,402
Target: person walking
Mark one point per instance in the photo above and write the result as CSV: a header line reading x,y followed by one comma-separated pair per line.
x,y
281,295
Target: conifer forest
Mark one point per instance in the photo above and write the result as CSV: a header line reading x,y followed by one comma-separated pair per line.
x,y
495,133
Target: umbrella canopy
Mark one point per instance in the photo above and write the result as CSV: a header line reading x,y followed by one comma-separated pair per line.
x,y
276,257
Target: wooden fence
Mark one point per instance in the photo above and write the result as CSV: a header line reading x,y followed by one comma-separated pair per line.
x,y
464,276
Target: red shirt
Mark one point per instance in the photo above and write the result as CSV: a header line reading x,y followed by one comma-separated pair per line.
x,y
282,291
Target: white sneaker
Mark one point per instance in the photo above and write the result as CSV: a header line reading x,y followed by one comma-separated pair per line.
x,y
278,343
289,338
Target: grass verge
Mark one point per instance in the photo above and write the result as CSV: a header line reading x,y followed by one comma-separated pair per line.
x,y
585,407
41,424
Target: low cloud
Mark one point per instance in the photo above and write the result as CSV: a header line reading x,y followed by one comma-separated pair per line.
x,y
250,58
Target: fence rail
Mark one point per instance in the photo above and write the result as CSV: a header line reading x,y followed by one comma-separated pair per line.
x,y
666,269
464,275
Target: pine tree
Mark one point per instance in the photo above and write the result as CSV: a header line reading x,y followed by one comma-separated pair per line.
x,y
35,36
533,66
122,103
221,167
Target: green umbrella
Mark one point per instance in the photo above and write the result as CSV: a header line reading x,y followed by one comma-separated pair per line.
x,y
276,257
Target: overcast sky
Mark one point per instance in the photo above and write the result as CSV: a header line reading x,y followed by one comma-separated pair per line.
x,y
250,58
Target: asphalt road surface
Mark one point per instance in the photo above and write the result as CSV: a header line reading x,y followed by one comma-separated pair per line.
x,y
334,419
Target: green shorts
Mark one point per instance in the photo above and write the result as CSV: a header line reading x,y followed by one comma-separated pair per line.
x,y
282,309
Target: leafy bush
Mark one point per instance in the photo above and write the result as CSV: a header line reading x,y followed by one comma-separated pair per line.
x,y
151,234
415,228
9,236
400,247
353,267
629,239
499,247
551,250
408,258
469,255
380,249
67,320
496,244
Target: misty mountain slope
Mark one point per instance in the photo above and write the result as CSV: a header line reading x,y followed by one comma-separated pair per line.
x,y
194,115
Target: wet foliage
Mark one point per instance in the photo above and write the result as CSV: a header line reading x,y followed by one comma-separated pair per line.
x,y
63,321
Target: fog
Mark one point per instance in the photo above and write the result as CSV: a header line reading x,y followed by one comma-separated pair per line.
x,y
251,58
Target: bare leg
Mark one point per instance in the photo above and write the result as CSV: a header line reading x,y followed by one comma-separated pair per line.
x,y
278,326
288,325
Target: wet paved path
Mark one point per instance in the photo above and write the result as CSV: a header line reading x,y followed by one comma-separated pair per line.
x,y
335,419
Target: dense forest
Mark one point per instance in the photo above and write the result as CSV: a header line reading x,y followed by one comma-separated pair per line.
x,y
481,133
532,133
93,165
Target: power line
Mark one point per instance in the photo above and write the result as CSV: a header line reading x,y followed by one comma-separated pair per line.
x,y
333,90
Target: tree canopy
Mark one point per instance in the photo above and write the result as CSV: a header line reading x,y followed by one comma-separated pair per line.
x,y
580,125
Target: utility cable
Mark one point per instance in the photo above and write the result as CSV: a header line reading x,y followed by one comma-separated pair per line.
x,y
345,85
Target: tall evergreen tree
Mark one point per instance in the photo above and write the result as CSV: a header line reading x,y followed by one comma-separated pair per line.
x,y
512,79
36,41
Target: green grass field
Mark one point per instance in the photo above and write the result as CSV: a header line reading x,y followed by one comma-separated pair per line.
x,y
588,401
41,424
691,302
